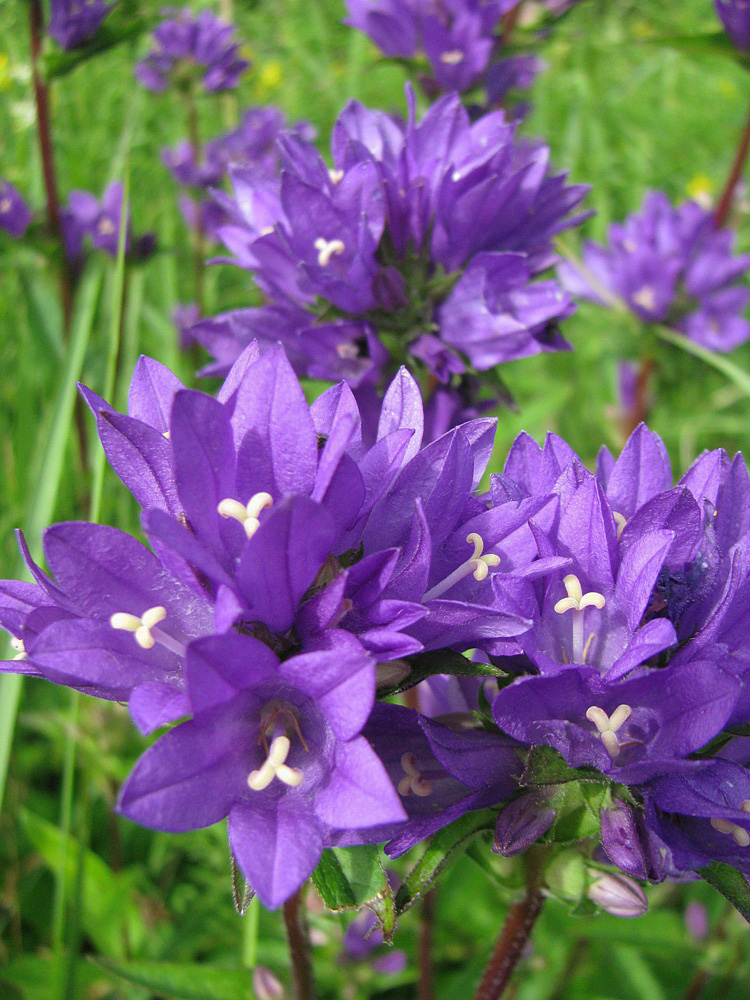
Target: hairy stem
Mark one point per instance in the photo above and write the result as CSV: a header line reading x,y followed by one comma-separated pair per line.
x,y
47,152
295,921
426,987
516,931
725,202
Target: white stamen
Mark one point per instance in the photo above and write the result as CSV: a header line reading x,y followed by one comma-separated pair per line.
x,y
336,176
645,298
274,766
19,647
413,783
620,521
577,601
247,514
140,627
477,564
608,725
327,249
452,58
167,435
740,835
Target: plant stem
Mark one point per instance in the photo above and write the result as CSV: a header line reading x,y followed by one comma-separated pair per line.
x,y
295,921
638,412
516,931
426,987
46,149
199,261
725,202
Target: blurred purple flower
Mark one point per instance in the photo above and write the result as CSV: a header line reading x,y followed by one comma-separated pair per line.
x,y
15,214
672,266
73,22
735,16
190,48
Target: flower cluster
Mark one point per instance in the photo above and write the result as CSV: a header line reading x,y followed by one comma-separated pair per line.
x,y
379,260
298,576
73,22
189,49
672,266
15,214
461,41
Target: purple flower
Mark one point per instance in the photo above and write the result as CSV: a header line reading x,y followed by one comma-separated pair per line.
x,y
99,220
672,266
735,16
191,48
73,22
521,823
275,746
15,214
460,40
336,251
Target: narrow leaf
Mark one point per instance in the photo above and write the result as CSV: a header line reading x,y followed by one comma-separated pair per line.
x,y
730,883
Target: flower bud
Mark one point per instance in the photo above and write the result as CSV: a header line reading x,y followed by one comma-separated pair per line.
x,y
696,920
619,895
628,843
521,823
265,985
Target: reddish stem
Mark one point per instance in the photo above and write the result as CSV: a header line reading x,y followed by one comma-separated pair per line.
x,y
46,148
509,23
725,202
295,921
640,408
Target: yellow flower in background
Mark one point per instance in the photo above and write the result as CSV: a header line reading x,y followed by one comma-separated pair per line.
x,y
5,77
268,77
701,188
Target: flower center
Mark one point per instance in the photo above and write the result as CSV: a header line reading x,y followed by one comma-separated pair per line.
x,y
645,298
477,564
145,629
739,833
577,602
106,227
336,176
279,719
327,249
247,514
608,725
415,782
19,647
620,521
452,58
5,205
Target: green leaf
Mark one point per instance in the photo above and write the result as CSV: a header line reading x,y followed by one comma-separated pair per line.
x,y
441,661
545,766
730,883
442,850
577,805
348,877
184,981
110,915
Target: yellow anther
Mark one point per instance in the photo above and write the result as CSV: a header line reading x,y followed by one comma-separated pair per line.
x,y
740,835
247,514
327,249
140,627
483,563
620,521
336,177
452,58
608,725
576,600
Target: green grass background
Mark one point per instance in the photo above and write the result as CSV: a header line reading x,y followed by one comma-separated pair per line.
x,y
623,112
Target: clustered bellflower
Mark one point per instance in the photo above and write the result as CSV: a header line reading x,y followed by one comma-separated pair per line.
x,y
672,266
460,39
735,16
15,214
379,260
189,47
88,218
74,22
296,575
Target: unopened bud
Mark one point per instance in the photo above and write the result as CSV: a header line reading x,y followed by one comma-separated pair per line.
x,y
619,895
388,674
629,844
521,823
265,985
